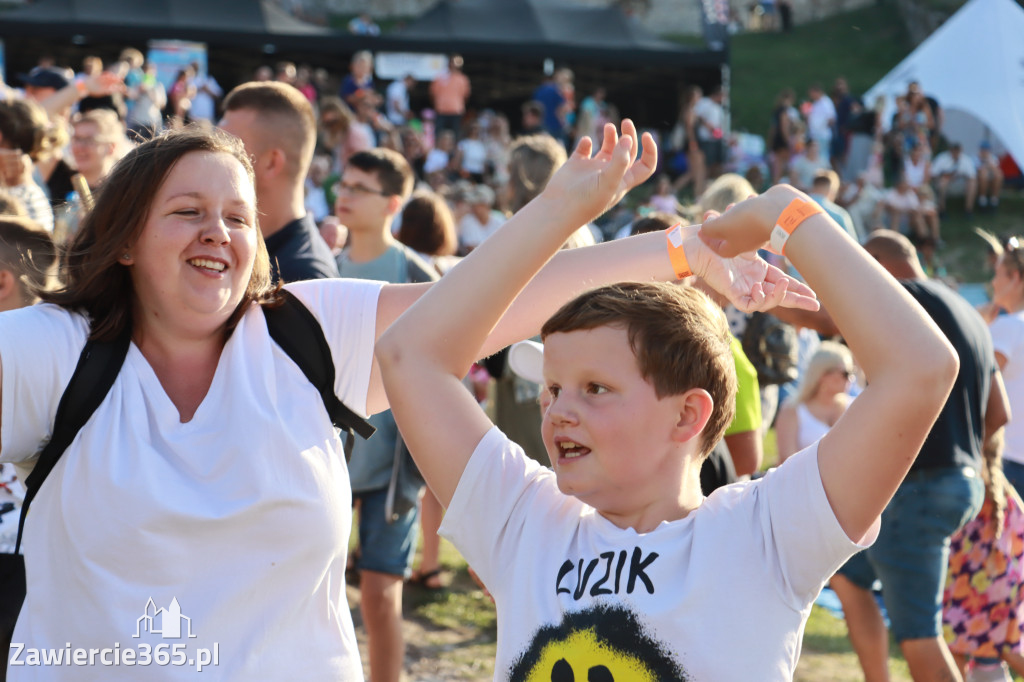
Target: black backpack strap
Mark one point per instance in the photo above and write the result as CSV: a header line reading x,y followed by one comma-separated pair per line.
x,y
299,334
98,367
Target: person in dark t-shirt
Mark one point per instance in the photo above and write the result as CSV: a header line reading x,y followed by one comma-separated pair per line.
x,y
276,124
942,491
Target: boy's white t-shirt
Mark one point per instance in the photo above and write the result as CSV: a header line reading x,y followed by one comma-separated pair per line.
x,y
721,595
240,517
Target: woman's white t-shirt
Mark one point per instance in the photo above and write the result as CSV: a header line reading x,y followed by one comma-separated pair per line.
x,y
233,526
1008,339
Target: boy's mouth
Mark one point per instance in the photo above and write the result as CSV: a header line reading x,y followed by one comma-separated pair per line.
x,y
568,449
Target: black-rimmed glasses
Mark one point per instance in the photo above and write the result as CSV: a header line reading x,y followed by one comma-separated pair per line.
x,y
358,190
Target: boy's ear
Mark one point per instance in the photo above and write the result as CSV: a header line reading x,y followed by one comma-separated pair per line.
x,y
694,408
395,203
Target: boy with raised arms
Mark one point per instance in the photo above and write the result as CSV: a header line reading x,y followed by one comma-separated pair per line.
x,y
613,565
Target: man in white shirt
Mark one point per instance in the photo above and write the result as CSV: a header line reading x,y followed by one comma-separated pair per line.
x,y
396,103
208,93
821,119
955,165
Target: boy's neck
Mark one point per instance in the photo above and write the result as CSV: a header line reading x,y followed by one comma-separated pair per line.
x,y
367,245
646,518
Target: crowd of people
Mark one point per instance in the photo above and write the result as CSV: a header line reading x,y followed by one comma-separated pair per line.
x,y
179,213
894,174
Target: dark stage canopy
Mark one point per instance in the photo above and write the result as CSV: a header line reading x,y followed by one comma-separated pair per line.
x,y
505,43
521,28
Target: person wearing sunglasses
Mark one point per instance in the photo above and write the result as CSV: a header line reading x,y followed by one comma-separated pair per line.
x,y
821,398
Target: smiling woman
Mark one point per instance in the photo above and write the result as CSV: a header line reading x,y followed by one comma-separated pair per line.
x,y
169,474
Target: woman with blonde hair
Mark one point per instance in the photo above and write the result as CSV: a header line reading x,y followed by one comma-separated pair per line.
x,y
821,398
98,141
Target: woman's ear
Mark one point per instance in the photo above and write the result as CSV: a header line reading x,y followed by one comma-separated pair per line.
x,y
694,408
10,291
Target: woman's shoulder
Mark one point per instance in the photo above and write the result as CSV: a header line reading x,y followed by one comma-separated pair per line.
x,y
333,290
43,318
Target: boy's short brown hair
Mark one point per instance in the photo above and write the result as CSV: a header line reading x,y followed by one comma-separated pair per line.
x,y
679,337
392,170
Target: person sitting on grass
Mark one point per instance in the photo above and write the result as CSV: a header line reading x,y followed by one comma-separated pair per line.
x,y
614,565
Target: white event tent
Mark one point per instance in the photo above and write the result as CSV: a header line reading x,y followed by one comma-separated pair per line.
x,y
974,66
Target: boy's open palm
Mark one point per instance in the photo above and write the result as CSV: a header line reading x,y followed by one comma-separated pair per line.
x,y
588,185
726,258
750,283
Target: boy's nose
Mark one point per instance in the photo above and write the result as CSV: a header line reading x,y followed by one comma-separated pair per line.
x,y
561,410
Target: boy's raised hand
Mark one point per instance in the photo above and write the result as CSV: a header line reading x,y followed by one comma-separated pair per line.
x,y
586,186
746,227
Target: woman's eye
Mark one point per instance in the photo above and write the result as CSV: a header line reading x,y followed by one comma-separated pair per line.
x,y
186,211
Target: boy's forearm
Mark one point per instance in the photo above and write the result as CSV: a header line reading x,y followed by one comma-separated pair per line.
x,y
909,364
473,297
571,272
863,299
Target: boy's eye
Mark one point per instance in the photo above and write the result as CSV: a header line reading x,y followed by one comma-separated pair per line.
x,y
554,390
596,389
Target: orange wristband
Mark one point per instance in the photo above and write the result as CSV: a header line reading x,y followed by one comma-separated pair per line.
x,y
82,88
791,217
676,254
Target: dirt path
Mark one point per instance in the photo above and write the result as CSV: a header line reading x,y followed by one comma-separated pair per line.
x,y
439,647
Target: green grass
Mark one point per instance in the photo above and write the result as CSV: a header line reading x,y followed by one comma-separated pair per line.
x,y
964,255
861,45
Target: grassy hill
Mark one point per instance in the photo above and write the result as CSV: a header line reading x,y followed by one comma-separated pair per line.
x,y
862,46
